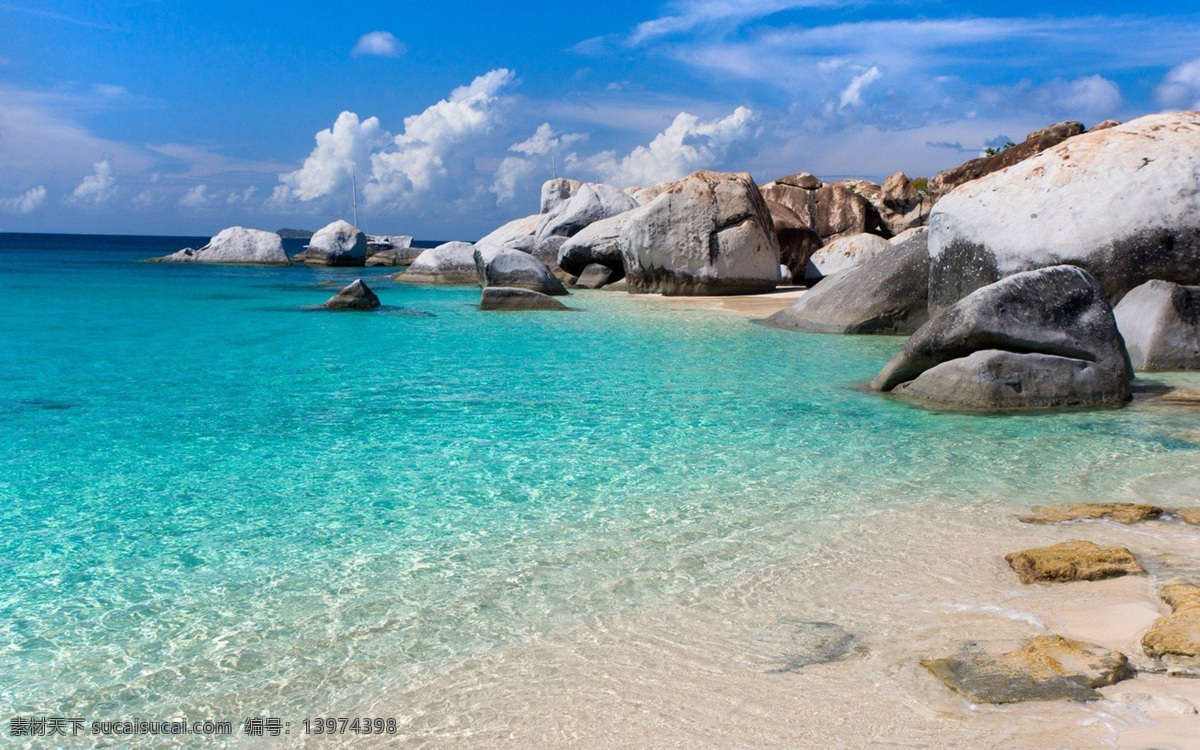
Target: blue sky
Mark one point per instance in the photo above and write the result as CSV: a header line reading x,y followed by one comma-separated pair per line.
x,y
158,117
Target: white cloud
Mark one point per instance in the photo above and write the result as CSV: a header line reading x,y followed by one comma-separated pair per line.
x,y
241,196
852,94
327,170
688,144
196,197
25,203
513,172
545,140
1086,97
99,186
379,44
1181,88
686,15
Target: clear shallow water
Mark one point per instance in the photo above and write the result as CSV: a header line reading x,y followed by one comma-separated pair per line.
x,y
218,503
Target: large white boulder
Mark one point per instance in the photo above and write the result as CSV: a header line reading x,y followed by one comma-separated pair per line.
x,y
505,267
709,233
592,202
1123,203
448,263
558,191
236,245
844,254
337,244
519,234
1160,322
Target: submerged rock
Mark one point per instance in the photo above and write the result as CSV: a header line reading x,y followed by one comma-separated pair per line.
x,y
236,245
1175,639
790,645
1122,203
1073,561
505,267
1119,512
594,276
338,244
707,234
1047,668
513,298
886,294
449,263
1188,515
354,296
843,254
1160,322
1038,339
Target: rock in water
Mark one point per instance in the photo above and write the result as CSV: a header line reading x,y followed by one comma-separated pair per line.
x,y
338,244
449,263
1073,561
1037,339
519,234
1034,143
594,276
1047,668
592,202
395,256
886,294
1119,512
790,645
1122,203
844,254
599,242
505,267
1175,639
513,298
1160,322
236,245
557,192
709,233
355,296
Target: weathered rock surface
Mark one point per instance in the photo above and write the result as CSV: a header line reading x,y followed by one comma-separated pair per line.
x,y
396,256
354,296
1073,561
897,203
1037,339
1175,639
514,298
505,267
592,202
709,233
908,234
558,191
1119,512
1047,668
886,294
832,211
797,241
236,245
519,234
337,244
594,276
378,243
1034,143
1188,515
448,263
1160,322
599,242
843,254
1122,203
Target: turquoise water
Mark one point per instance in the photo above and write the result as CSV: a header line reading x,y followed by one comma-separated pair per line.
x,y
217,502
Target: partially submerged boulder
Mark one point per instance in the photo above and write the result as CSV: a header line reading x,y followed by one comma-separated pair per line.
x,y
448,263
337,244
886,294
1175,638
1038,339
1119,512
1122,203
594,276
599,242
709,233
843,254
395,256
1047,668
236,245
1160,322
592,202
1034,143
354,296
1073,561
514,298
505,267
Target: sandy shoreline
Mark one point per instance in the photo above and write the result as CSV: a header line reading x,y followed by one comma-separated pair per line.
x,y
748,305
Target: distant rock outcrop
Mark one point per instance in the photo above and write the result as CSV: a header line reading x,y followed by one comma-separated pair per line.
x,y
831,211
1041,338
1122,203
1160,322
797,241
236,245
354,296
709,233
448,263
338,244
1034,143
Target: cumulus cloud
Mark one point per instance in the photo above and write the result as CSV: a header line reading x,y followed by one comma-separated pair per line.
x,y
514,171
688,144
1181,88
379,44
327,169
1087,97
196,197
852,94
97,187
545,140
241,196
25,203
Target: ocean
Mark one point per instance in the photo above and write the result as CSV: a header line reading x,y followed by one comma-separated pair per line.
x,y
218,502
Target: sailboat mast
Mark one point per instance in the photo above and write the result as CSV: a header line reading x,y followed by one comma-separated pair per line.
x,y
354,194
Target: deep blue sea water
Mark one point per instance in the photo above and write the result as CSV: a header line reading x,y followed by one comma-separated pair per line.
x,y
217,502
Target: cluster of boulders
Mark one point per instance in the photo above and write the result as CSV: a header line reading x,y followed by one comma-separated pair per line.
x,y
1050,667
337,244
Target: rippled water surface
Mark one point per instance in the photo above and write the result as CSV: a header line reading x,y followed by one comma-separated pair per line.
x,y
216,502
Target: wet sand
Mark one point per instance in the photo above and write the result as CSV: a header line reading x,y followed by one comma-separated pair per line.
x,y
749,305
